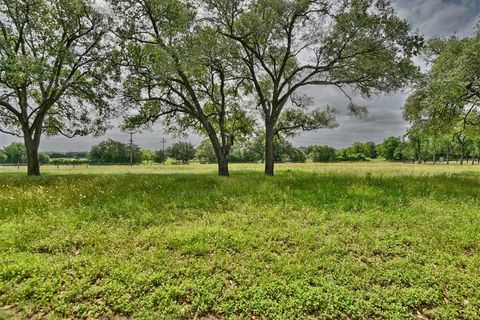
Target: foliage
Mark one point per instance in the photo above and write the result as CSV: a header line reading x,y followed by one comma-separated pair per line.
x,y
15,153
449,94
388,148
70,162
111,151
389,243
43,158
68,155
205,152
147,155
182,151
322,154
160,156
253,150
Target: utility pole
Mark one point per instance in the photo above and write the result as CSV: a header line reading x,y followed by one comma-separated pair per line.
x,y
163,141
131,148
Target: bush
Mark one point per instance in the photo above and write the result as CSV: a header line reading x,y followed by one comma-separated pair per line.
x,y
322,154
160,156
182,151
297,156
43,158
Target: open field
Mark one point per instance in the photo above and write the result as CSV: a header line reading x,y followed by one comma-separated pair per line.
x,y
317,241
378,168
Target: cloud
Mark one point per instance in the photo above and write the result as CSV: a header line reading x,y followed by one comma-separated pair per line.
x,y
440,17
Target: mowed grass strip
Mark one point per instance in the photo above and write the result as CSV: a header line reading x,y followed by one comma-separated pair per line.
x,y
301,245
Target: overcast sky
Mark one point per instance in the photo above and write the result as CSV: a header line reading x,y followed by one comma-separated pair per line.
x,y
430,17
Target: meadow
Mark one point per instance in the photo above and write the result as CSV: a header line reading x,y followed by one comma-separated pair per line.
x,y
370,240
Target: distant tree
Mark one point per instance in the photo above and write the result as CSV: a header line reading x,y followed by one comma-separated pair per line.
x,y
370,150
3,157
357,147
43,158
15,153
182,151
248,151
205,152
388,149
147,155
297,156
322,154
283,149
404,151
114,152
160,156
53,70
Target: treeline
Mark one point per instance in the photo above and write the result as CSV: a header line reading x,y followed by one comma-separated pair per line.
x,y
397,149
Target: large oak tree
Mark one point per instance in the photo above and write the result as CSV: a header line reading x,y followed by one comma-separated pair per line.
x,y
53,70
288,45
178,70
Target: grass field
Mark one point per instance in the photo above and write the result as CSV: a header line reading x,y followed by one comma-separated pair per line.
x,y
335,241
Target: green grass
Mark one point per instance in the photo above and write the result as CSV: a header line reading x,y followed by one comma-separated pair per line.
x,y
347,241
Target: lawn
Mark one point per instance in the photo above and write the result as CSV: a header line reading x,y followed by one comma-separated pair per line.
x,y
336,241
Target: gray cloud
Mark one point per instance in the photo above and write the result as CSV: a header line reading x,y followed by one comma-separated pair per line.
x,y
431,17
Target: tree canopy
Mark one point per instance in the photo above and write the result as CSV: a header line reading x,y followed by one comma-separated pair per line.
x,y
287,45
181,71
53,70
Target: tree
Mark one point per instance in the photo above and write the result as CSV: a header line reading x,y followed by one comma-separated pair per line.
x,y
286,152
297,156
250,150
147,155
15,153
182,151
322,154
114,152
43,158
291,44
388,149
53,70
160,156
205,152
447,99
178,69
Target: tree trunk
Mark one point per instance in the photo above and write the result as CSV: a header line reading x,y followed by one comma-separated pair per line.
x,y
222,157
269,150
32,156
463,155
223,167
448,155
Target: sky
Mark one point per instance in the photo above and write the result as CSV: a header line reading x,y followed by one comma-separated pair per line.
x,y
431,18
